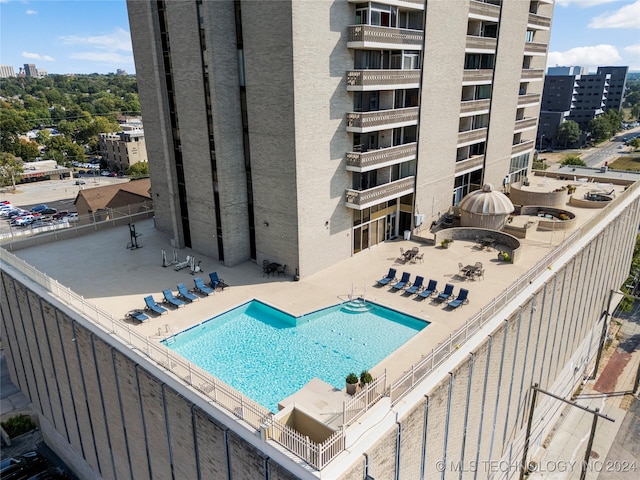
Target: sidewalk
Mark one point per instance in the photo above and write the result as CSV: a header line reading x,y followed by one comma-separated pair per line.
x,y
615,453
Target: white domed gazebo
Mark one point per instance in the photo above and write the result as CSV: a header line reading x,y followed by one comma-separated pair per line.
x,y
485,208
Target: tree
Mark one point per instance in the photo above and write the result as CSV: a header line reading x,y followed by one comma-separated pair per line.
x,y
12,125
10,167
568,133
573,160
27,150
139,169
600,129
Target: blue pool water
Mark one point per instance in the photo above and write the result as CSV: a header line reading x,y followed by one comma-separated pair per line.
x,y
268,355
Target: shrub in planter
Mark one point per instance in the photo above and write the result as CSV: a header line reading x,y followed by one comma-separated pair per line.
x,y
18,425
504,256
365,377
446,242
352,382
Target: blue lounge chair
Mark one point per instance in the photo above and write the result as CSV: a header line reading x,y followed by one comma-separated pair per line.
x,y
169,298
430,290
446,294
186,294
216,282
201,287
417,285
391,276
461,299
403,281
150,304
138,315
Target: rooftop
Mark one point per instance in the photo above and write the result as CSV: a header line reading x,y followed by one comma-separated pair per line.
x,y
99,267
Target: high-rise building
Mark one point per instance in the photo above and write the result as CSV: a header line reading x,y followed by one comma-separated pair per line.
x,y
30,70
7,71
311,131
374,122
578,96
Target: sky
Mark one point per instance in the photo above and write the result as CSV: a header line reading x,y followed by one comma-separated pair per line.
x,y
92,36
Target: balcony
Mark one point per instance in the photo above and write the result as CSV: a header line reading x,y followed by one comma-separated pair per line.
x,y
364,122
469,164
359,200
526,124
364,80
411,4
532,48
484,11
472,77
522,147
532,74
372,36
539,22
474,107
528,99
372,159
472,136
481,44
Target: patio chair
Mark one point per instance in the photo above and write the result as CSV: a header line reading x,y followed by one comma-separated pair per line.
x,y
417,285
282,271
430,290
169,298
461,299
391,276
446,294
418,258
216,282
201,287
138,315
150,304
403,281
186,294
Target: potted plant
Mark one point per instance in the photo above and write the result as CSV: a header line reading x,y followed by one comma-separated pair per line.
x,y
571,189
504,256
365,377
352,383
445,243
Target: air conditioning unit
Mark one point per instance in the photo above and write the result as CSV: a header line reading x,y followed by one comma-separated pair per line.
x,y
418,219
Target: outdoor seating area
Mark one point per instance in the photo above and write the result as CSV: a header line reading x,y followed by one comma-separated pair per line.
x,y
216,282
412,255
421,292
270,268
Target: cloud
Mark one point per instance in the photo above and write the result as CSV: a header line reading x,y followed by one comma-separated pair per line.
x,y
583,3
118,40
113,58
585,56
31,12
625,17
37,56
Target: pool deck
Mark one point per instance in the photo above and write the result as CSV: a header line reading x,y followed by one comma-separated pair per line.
x,y
100,268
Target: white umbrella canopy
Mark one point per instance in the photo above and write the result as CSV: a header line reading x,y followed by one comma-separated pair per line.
x,y
486,208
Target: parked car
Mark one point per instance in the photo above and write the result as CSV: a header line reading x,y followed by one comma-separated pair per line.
x,y
113,174
37,208
72,217
105,173
23,221
80,182
48,211
61,214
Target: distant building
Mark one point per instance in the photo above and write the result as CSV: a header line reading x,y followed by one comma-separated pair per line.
x,y
98,203
7,71
121,71
580,97
42,73
122,149
30,70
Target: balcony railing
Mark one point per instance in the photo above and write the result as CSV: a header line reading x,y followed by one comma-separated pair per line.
x,y
539,21
482,9
526,123
362,199
528,99
531,48
475,76
485,44
522,147
473,106
372,36
362,122
469,163
472,135
363,161
532,74
360,80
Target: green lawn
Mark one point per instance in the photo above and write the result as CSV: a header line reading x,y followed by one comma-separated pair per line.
x,y
626,163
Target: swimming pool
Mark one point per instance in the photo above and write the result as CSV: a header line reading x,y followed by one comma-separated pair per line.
x,y
268,355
